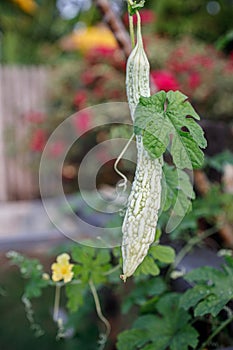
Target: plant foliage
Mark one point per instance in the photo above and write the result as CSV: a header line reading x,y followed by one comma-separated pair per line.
x,y
164,114
160,331
212,290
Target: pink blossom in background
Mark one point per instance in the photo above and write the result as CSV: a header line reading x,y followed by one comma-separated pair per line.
x,y
112,55
164,80
194,80
34,117
203,61
80,99
87,77
57,148
99,91
82,121
147,17
38,141
100,51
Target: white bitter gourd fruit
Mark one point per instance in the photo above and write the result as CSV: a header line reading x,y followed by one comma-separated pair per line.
x,y
139,226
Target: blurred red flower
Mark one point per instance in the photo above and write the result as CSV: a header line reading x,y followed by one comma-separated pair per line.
x,y
164,80
100,51
80,99
194,80
112,56
38,141
147,17
82,121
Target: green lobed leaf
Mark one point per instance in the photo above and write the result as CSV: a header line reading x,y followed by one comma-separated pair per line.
x,y
164,114
212,290
194,295
212,304
92,263
177,190
131,340
161,331
185,151
74,293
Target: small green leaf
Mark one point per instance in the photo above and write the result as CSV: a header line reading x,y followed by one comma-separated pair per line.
x,y
148,267
74,293
136,6
163,253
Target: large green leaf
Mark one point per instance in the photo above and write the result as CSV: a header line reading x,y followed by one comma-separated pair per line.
x,y
161,331
213,289
169,117
131,340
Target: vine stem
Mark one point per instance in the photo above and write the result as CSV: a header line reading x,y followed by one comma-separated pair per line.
x,y
56,302
217,330
98,308
188,247
124,184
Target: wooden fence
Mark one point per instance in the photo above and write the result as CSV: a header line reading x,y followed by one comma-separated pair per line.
x,y
22,90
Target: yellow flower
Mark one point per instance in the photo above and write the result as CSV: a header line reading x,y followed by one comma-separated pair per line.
x,y
86,39
28,6
62,269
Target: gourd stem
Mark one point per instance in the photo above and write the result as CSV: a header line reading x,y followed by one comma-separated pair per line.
x,y
139,29
131,28
124,184
131,31
98,308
